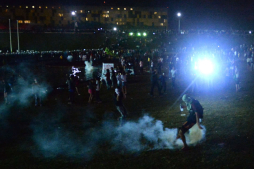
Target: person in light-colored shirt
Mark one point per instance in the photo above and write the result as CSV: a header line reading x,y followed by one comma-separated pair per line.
x,y
173,76
124,81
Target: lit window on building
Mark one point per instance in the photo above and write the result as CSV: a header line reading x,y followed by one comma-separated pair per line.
x,y
105,15
120,20
131,9
20,21
60,14
40,7
155,13
107,11
26,6
112,8
165,20
20,6
118,9
159,16
27,21
161,24
46,7
86,19
81,11
124,9
32,6
117,23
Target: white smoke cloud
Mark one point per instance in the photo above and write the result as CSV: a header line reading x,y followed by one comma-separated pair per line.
x,y
132,137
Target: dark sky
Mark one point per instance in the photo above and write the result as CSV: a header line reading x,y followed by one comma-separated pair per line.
x,y
205,14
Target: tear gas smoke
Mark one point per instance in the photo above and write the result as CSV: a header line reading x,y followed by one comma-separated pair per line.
x,y
21,89
132,137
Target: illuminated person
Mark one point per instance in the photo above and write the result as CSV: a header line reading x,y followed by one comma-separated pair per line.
x,y
119,79
195,114
237,81
108,80
90,91
37,92
97,90
113,77
141,66
118,99
151,69
124,82
173,76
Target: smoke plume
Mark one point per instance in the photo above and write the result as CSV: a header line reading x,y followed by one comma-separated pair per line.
x,y
132,137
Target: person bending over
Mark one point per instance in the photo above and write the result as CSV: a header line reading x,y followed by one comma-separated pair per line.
x,y
195,114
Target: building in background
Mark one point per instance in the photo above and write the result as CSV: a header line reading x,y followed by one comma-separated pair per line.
x,y
85,17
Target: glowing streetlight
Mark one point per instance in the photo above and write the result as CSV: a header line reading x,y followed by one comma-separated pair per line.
x,y
73,13
115,29
144,34
139,34
179,16
131,33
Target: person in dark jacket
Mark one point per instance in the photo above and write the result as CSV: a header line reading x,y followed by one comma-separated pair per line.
x,y
155,83
71,87
118,99
163,85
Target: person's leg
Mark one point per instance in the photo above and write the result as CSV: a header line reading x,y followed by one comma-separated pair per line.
x,y
151,92
121,111
173,82
39,99
165,87
71,96
35,99
159,88
181,134
90,98
125,89
77,90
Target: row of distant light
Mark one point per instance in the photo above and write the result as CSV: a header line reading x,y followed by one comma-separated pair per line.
x,y
138,34
7,6
132,34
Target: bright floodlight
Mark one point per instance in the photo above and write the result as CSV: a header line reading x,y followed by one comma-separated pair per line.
x,y
179,14
114,28
73,13
131,33
139,34
205,66
144,34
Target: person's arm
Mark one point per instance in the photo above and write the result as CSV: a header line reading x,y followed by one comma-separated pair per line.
x,y
124,96
197,120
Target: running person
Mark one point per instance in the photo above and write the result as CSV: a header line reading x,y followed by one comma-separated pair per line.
x,y
195,113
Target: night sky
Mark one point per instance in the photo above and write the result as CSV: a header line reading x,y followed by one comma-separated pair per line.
x,y
197,14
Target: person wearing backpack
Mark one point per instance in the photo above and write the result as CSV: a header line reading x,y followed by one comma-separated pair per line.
x,y
195,114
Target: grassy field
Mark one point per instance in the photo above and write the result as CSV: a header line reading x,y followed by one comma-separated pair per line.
x,y
74,41
228,120
52,41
